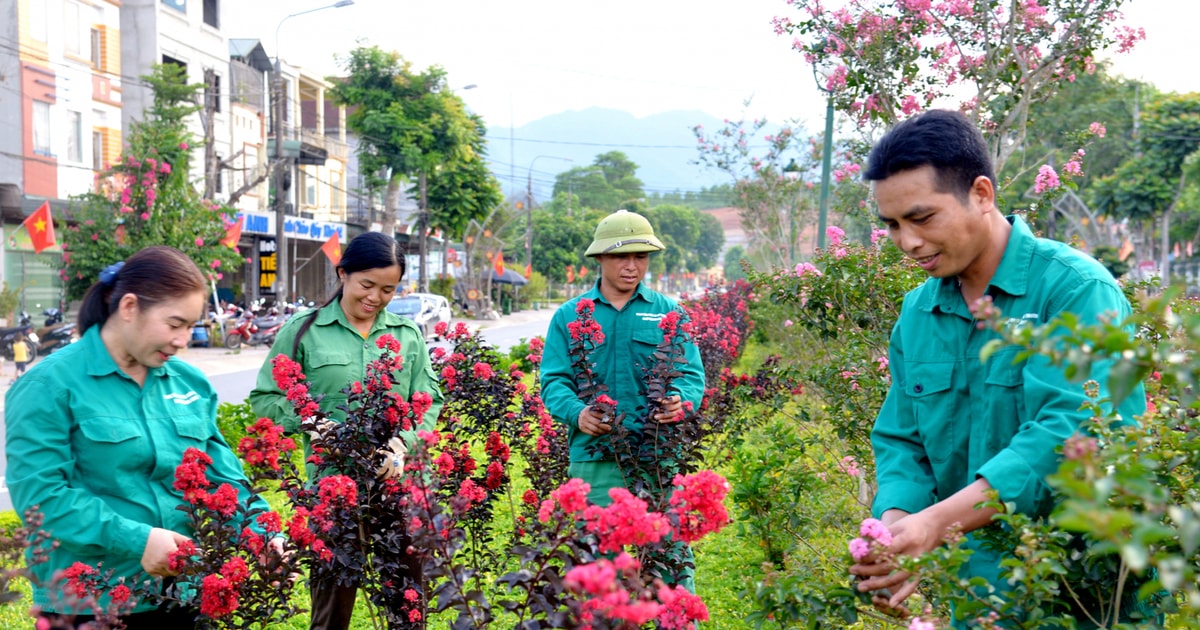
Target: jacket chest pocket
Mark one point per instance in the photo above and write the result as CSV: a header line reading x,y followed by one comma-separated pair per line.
x,y
1004,395
330,367
934,405
105,445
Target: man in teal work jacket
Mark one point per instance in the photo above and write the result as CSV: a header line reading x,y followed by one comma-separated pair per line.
x,y
952,427
628,313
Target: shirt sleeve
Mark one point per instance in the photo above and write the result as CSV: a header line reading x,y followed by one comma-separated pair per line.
x,y
266,399
559,392
902,468
38,426
1018,471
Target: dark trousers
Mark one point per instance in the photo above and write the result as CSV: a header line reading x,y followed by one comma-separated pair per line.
x,y
333,604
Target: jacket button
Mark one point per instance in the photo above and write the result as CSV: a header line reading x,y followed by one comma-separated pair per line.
x,y
918,388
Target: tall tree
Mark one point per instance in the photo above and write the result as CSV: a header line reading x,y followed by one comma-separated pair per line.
x,y
410,125
146,198
883,60
610,183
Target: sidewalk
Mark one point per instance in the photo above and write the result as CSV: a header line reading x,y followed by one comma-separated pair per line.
x,y
214,361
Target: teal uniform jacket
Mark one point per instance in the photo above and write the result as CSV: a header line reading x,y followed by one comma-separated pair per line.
x,y
630,337
333,354
97,454
950,419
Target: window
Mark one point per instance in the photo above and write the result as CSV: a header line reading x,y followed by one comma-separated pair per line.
x,y
41,128
74,136
310,186
97,150
97,49
178,5
335,192
38,25
212,13
213,93
71,29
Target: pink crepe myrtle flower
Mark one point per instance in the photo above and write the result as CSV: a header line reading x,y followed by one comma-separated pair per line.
x,y
1047,180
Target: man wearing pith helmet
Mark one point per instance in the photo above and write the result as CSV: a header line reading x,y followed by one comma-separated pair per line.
x,y
629,313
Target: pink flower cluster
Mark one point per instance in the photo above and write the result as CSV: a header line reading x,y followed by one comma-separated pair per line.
x,y
626,521
698,504
675,608
1047,180
585,328
874,537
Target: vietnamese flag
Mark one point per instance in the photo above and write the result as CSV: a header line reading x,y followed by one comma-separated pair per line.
x,y
528,271
498,263
233,233
582,271
333,248
40,226
570,273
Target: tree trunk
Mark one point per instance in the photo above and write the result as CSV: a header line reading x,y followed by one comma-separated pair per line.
x,y
212,168
391,205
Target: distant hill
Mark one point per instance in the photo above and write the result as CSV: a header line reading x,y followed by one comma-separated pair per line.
x,y
661,145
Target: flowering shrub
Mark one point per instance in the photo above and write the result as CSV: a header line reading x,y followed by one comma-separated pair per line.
x,y
846,302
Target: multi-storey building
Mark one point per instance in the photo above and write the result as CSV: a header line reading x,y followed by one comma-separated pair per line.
x,y
62,88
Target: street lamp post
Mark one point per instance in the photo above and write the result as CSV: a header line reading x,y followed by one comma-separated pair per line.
x,y
529,207
826,160
791,173
281,262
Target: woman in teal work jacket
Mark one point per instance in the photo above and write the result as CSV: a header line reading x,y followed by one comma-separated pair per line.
x,y
333,346
96,431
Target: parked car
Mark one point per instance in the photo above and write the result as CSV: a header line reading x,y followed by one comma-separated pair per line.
x,y
426,309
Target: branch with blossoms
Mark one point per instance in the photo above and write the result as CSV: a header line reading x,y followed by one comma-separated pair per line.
x,y
489,412
345,526
881,61
586,336
80,589
229,565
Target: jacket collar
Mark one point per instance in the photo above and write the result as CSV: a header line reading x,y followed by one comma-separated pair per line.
x,y
1011,277
100,363
332,313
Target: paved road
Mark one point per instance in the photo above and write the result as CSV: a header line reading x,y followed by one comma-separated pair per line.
x,y
233,373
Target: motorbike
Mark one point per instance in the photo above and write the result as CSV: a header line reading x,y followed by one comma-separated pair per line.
x,y
55,335
251,332
9,335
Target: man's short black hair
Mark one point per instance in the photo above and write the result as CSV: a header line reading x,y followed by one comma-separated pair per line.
x,y
943,139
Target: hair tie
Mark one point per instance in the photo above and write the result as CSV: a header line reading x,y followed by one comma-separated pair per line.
x,y
109,275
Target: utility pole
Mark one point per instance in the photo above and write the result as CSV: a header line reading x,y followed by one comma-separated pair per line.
x,y
422,228
281,186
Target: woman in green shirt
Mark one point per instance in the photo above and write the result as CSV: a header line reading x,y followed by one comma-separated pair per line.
x,y
96,431
333,346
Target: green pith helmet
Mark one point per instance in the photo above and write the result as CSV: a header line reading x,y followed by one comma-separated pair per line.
x,y
623,232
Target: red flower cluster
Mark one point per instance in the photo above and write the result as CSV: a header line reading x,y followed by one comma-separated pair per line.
x,y
389,342
190,476
698,502
288,376
79,578
218,596
496,447
625,522
483,371
680,608
536,347
264,443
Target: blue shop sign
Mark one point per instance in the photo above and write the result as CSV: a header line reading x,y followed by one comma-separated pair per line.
x,y
293,227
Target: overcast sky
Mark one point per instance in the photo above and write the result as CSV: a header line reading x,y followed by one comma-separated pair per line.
x,y
532,58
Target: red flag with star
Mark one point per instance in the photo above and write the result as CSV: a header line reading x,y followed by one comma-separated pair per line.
x,y
333,248
583,271
233,233
498,263
570,273
40,226
528,271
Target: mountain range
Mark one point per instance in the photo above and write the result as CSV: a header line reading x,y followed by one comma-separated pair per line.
x,y
662,145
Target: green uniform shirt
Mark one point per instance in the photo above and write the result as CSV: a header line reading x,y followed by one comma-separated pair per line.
x,y
950,419
333,354
96,453
630,337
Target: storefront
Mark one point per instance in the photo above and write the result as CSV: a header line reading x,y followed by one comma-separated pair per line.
x,y
312,274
